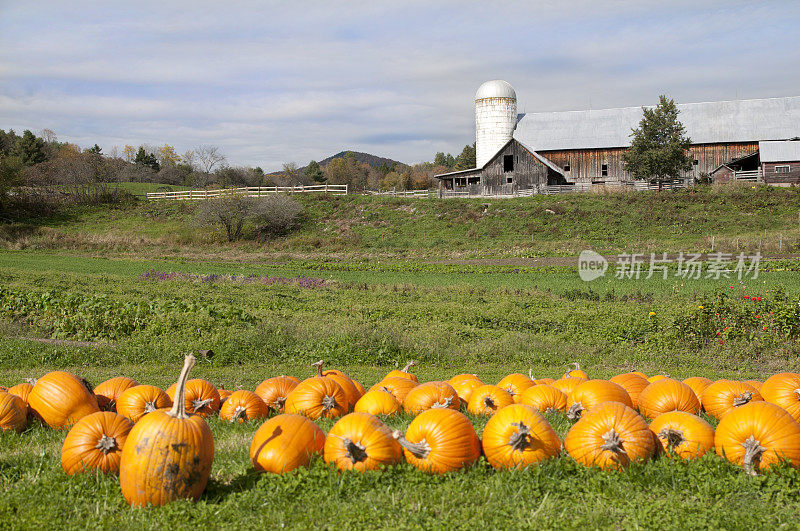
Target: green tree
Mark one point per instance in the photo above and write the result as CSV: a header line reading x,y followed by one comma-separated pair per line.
x,y
336,172
30,149
314,172
444,160
466,160
659,145
147,160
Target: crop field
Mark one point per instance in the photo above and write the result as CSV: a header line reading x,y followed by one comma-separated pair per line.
x,y
103,307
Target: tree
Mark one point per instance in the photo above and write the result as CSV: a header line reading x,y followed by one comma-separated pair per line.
x,y
292,174
129,153
209,157
444,160
314,172
30,149
166,155
146,160
466,160
659,145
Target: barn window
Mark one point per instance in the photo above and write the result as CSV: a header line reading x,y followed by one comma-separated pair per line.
x,y
508,163
604,170
783,169
509,180
695,162
566,167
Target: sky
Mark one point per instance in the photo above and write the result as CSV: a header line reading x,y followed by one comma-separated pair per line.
x,y
276,82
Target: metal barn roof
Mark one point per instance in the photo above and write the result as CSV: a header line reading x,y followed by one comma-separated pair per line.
x,y
779,151
706,123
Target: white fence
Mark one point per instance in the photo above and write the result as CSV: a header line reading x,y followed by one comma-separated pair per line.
x,y
403,193
250,191
753,176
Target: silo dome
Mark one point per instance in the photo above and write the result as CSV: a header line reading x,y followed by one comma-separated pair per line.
x,y
495,118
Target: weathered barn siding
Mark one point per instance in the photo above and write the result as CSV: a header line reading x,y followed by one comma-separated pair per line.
x,y
723,174
528,171
771,177
585,165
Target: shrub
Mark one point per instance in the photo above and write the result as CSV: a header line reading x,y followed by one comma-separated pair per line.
x,y
279,214
272,215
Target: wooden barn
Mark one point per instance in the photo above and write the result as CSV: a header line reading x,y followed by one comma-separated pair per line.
x,y
585,148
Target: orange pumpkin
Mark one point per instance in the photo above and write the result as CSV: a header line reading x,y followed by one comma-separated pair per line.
x,y
665,395
378,403
544,398
576,372
202,398
633,385
95,443
610,435
403,373
589,394
698,385
108,392
275,390
545,381
348,387
223,395
518,436
284,443
758,435
243,405
657,377
140,400
683,434
440,440
431,395
13,412
464,384
361,390
487,399
168,454
399,387
359,441
61,399
755,384
22,390
515,384
783,389
724,395
317,397
568,384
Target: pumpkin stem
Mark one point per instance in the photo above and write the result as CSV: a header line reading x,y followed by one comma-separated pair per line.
x,y
178,410
797,391
742,399
106,444
198,404
752,455
356,452
149,407
674,438
408,366
575,366
33,381
530,373
444,403
488,403
319,365
574,411
328,402
419,450
612,442
239,414
279,402
522,438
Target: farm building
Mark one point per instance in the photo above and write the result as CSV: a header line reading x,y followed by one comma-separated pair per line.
x,y
533,152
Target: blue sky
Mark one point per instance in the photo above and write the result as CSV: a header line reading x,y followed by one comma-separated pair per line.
x,y
273,82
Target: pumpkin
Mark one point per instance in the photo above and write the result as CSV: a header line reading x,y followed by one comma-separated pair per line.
x,y
783,389
568,384
633,385
22,390
610,435
348,387
666,395
378,403
223,395
464,384
518,436
431,395
108,392
361,390
576,372
202,398
403,373
399,387
95,443
275,390
13,412
140,400
515,384
317,397
657,377
284,443
487,399
698,385
545,381
359,441
168,454
683,434
758,435
61,399
639,373
440,440
724,395
243,405
589,394
755,384
544,398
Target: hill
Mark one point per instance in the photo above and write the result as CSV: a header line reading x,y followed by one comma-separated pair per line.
x,y
364,158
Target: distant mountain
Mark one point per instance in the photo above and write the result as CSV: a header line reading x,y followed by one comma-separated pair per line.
x,y
364,158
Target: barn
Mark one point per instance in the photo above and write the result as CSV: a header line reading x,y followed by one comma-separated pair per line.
x,y
537,152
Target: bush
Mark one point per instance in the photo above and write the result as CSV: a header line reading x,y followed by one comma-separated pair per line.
x,y
279,215
272,215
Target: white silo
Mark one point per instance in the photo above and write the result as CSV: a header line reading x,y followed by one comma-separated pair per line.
x,y
495,118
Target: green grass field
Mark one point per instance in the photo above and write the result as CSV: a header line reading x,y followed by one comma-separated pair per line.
x,y
141,286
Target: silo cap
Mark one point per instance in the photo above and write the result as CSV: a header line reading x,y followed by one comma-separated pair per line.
x,y
496,88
